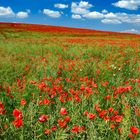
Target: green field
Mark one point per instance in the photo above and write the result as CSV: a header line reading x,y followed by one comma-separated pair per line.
x,y
69,86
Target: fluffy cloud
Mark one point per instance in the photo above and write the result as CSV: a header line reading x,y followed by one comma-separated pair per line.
x,y
130,31
128,4
104,11
113,18
110,15
93,15
22,14
111,21
80,8
51,13
61,6
6,12
121,18
76,16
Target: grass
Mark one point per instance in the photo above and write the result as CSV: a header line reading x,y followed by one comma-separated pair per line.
x,y
78,73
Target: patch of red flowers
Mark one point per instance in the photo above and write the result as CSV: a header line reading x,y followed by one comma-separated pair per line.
x,y
62,123
18,122
17,114
63,111
43,118
2,109
91,116
118,118
134,129
23,102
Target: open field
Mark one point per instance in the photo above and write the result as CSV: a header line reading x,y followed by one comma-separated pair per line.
x,y
61,83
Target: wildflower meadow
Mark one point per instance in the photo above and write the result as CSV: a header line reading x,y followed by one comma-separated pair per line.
x,y
61,83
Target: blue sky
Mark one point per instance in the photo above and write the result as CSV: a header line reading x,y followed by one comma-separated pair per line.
x,y
111,15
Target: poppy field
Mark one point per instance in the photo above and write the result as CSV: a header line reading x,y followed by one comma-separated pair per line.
x,y
60,83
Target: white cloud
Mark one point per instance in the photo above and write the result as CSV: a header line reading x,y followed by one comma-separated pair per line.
x,y
76,17
110,15
113,18
104,11
51,13
128,4
80,8
93,15
6,12
61,6
128,18
85,4
130,31
22,14
111,21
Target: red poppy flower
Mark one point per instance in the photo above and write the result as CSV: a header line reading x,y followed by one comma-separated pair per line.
x,y
112,126
54,128
75,129
47,131
119,130
85,113
131,136
43,118
63,111
2,109
23,102
46,101
107,97
115,112
110,109
103,113
118,118
91,116
17,123
134,129
62,123
17,114
67,118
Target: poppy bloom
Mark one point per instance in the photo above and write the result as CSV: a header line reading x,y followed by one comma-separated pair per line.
x,y
119,130
131,136
112,126
23,102
91,116
110,109
54,128
67,118
107,97
75,129
118,118
17,123
85,113
17,114
46,101
62,123
47,131
102,113
2,108
115,112
134,129
43,118
63,111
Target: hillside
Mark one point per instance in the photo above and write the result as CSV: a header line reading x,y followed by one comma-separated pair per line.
x,y
60,83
